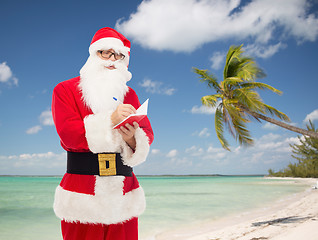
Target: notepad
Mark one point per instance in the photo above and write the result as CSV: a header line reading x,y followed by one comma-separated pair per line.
x,y
141,112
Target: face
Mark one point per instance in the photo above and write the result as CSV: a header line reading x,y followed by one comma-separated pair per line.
x,y
100,82
110,54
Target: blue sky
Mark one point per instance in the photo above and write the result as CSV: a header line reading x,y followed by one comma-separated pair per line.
x,y
45,42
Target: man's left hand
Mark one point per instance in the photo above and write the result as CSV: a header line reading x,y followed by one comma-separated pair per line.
x,y
128,134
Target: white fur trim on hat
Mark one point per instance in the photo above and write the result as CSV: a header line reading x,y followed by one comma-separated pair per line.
x,y
110,43
131,158
108,206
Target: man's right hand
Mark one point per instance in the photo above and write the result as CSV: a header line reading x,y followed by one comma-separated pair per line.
x,y
122,111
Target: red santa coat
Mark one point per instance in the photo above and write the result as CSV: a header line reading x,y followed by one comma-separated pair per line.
x,y
91,198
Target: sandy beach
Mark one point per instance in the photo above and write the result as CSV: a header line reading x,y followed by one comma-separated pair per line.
x,y
292,218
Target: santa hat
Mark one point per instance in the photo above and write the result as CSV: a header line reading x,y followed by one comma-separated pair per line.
x,y
108,38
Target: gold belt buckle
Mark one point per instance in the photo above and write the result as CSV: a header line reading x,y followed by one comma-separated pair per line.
x,y
103,158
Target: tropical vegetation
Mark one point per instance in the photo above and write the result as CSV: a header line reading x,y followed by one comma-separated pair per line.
x,y
236,100
306,153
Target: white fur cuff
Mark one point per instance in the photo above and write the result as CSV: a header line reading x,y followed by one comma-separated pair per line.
x,y
131,158
99,134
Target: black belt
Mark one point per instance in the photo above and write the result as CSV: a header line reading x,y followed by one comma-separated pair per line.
x,y
102,164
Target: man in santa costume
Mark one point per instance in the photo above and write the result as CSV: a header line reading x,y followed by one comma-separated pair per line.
x,y
99,197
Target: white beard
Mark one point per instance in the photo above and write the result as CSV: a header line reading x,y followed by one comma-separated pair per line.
x,y
100,85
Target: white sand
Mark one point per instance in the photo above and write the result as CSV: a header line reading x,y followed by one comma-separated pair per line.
x,y
292,218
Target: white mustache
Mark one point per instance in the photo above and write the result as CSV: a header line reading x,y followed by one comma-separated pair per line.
x,y
119,66
95,65
116,64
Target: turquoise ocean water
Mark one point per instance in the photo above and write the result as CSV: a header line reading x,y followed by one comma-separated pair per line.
x,y
26,202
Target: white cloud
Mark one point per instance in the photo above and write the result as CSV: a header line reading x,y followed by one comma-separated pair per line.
x,y
202,110
217,60
270,126
209,153
45,119
183,26
181,162
5,72
155,151
274,143
156,87
263,51
215,153
269,137
269,151
311,116
173,153
256,157
6,75
194,151
34,130
33,163
212,149
204,133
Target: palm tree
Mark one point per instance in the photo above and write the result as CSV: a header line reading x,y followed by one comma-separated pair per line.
x,y
236,100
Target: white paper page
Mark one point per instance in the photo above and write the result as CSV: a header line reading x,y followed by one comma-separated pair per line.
x,y
142,110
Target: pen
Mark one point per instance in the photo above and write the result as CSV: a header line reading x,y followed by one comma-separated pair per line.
x,y
117,100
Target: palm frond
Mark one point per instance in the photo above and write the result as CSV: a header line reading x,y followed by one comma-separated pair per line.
x,y
259,85
275,112
219,129
210,100
232,107
228,121
237,122
232,57
242,133
208,78
248,70
232,101
241,66
249,99
230,82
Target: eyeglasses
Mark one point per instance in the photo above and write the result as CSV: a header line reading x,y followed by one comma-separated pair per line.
x,y
107,54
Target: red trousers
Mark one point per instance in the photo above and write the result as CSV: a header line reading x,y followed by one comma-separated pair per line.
x,y
122,231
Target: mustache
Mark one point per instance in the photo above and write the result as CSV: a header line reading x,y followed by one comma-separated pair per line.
x,y
116,64
95,66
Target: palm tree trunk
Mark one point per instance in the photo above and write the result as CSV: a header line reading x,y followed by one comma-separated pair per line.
x,y
282,124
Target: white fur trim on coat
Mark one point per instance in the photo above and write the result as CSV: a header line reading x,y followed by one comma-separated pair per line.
x,y
110,43
100,135
131,158
108,206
